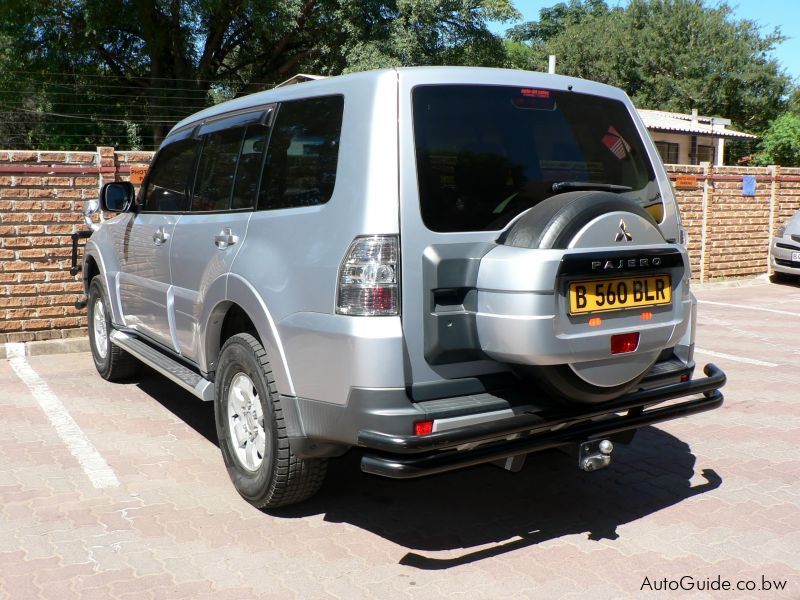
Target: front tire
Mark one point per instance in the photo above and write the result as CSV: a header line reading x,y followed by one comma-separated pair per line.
x,y
112,362
252,431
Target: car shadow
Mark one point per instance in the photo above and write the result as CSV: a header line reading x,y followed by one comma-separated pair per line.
x,y
785,280
484,511
195,413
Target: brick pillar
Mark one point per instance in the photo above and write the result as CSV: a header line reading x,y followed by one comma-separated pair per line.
x,y
775,173
106,158
707,170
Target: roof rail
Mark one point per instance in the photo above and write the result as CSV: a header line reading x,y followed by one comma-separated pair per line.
x,y
299,78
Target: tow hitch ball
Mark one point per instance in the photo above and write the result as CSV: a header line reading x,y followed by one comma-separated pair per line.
x,y
594,455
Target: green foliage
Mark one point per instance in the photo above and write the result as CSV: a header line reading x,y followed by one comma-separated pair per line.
x,y
554,20
780,143
672,55
123,66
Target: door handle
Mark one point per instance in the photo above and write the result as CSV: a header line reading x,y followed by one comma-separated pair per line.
x,y
160,236
225,238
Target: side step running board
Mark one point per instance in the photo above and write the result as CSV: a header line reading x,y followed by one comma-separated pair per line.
x,y
170,368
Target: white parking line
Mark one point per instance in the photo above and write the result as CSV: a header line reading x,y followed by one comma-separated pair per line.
x,y
741,359
769,310
91,461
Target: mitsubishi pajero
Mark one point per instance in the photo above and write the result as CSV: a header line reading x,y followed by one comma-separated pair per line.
x,y
438,266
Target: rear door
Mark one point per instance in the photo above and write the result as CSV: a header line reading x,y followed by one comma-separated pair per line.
x,y
211,234
476,150
145,276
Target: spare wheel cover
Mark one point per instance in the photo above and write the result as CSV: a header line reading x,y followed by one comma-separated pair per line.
x,y
586,219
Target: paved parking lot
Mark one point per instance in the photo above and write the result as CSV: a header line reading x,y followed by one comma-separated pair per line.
x,y
709,499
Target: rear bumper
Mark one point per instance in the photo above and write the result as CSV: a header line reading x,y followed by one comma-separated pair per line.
x,y
407,456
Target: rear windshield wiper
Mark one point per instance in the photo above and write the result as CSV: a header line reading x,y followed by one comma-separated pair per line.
x,y
565,186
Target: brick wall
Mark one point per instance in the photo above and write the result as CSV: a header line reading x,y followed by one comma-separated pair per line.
x,y
729,233
42,196
41,204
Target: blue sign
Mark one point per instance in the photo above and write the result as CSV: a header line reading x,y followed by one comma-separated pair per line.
x,y
748,185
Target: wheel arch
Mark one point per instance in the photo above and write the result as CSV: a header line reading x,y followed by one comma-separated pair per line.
x,y
244,311
94,264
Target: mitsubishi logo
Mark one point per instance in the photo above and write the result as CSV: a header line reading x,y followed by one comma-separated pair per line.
x,y
623,233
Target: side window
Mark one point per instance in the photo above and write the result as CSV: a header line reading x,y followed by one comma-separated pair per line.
x,y
249,170
170,177
216,170
300,169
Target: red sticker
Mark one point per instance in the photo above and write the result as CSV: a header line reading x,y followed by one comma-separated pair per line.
x,y
616,143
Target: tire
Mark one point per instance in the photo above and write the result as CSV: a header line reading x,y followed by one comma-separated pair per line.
x,y
252,430
553,224
112,362
779,278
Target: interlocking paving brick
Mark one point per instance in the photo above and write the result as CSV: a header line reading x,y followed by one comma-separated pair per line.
x,y
713,494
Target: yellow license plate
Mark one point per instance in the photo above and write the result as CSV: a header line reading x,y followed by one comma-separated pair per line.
x,y
599,295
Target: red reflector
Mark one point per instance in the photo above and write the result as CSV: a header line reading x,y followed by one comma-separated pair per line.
x,y
423,427
684,378
625,342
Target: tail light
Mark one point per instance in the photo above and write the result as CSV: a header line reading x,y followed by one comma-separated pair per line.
x,y
369,278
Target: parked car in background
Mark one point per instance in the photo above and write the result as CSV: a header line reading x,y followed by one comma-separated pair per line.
x,y
441,267
784,251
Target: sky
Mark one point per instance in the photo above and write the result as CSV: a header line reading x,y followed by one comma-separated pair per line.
x,y
768,14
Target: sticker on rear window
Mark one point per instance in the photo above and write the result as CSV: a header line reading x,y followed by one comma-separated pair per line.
x,y
616,143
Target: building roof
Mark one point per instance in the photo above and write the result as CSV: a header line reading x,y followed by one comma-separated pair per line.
x,y
659,120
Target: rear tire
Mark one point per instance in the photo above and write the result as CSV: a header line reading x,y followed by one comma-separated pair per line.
x,y
252,430
111,361
553,224
562,384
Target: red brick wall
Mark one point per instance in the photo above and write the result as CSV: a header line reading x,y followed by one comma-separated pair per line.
x,y
42,196
691,205
41,204
737,228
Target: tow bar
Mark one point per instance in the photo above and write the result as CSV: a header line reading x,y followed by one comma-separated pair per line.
x,y
594,455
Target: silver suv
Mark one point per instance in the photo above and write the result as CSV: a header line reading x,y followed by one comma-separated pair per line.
x,y
439,266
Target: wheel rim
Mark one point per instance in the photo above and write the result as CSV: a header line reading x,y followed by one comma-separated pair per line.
x,y
99,328
246,431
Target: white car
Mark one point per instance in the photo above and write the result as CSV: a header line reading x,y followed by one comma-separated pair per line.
x,y
784,251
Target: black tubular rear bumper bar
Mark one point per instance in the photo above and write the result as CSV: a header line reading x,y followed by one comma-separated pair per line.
x,y
408,456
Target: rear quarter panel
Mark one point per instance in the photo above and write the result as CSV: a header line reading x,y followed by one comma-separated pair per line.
x,y
291,256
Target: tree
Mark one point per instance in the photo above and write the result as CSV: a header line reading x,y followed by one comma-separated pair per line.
x,y
168,58
672,55
554,20
780,143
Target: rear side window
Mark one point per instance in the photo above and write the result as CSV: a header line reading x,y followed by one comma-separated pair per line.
x,y
170,177
300,169
216,170
487,153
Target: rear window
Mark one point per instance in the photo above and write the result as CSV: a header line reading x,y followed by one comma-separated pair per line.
x,y
487,153
300,168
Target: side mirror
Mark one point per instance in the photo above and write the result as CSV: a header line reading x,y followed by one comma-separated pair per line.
x,y
117,196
